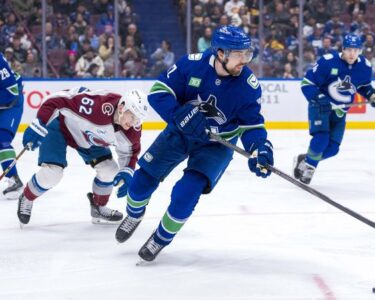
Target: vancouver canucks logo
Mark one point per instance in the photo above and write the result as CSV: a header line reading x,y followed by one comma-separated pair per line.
x,y
94,140
209,109
342,90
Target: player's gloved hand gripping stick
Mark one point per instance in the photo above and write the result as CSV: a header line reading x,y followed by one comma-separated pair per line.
x,y
295,182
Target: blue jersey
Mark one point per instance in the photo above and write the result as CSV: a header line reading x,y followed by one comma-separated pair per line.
x,y
335,78
231,104
10,86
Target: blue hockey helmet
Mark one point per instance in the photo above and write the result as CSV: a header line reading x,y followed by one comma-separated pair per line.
x,y
352,41
230,38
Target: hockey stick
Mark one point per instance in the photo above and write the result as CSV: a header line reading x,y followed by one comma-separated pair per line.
x,y
6,171
295,182
338,106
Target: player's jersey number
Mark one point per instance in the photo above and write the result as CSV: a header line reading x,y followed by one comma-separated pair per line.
x,y
86,106
4,74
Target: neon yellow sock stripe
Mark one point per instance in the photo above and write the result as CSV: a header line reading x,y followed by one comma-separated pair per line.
x,y
314,156
7,154
137,204
170,224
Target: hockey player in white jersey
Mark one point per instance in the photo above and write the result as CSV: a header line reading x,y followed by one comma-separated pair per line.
x,y
90,122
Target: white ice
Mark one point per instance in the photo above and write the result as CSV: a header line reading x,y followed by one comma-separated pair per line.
x,y
250,238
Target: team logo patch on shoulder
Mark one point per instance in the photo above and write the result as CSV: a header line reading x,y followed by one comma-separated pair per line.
x,y
195,56
253,81
107,109
194,81
334,71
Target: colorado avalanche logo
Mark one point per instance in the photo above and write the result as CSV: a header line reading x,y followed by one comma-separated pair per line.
x,y
209,109
342,90
107,109
94,140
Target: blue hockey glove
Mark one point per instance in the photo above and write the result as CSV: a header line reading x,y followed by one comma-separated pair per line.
x,y
322,103
191,122
34,135
261,155
123,179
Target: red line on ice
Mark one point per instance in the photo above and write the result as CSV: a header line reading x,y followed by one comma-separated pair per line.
x,y
323,286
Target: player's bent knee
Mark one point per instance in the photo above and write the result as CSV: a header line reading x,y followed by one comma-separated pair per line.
x,y
332,149
143,185
49,175
106,170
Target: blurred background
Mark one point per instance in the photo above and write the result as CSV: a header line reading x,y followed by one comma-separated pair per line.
x,y
141,38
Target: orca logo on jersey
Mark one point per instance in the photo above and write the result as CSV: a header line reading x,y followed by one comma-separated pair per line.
x,y
342,90
209,109
94,140
107,109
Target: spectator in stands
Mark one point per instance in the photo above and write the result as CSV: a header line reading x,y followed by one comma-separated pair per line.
x,y
9,28
369,54
68,69
35,18
127,17
281,15
211,6
52,40
31,68
132,30
289,72
358,24
308,27
91,36
23,7
326,47
316,39
204,42
100,6
334,21
356,7
162,58
19,53
232,7
131,57
65,7
108,17
309,59
14,63
86,60
81,9
24,38
369,41
223,21
71,39
216,15
60,21
337,36
321,14
80,24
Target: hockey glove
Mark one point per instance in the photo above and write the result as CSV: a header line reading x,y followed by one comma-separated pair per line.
x,y
34,135
372,99
261,155
191,122
123,179
322,103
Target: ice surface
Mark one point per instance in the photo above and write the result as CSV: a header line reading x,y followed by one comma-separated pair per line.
x,y
250,238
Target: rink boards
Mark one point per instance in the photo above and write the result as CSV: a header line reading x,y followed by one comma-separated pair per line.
x,y
283,104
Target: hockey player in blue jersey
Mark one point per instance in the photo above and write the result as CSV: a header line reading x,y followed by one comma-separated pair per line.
x,y
214,90
334,80
11,108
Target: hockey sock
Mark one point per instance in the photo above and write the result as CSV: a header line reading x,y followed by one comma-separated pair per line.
x,y
140,190
318,144
33,189
332,149
185,196
101,190
7,154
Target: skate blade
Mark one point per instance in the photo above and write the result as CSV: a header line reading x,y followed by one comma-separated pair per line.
x,y
143,263
98,221
22,225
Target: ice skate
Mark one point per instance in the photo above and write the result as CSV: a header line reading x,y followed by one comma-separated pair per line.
x,y
24,210
150,249
302,170
14,189
127,228
103,214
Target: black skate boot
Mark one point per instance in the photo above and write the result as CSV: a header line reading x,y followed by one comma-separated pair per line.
x,y
297,168
150,249
14,189
103,214
24,209
127,228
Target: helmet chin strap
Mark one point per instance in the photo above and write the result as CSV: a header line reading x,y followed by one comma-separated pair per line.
x,y
224,64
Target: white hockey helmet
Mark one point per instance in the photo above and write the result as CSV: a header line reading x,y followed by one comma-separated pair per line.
x,y
136,102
